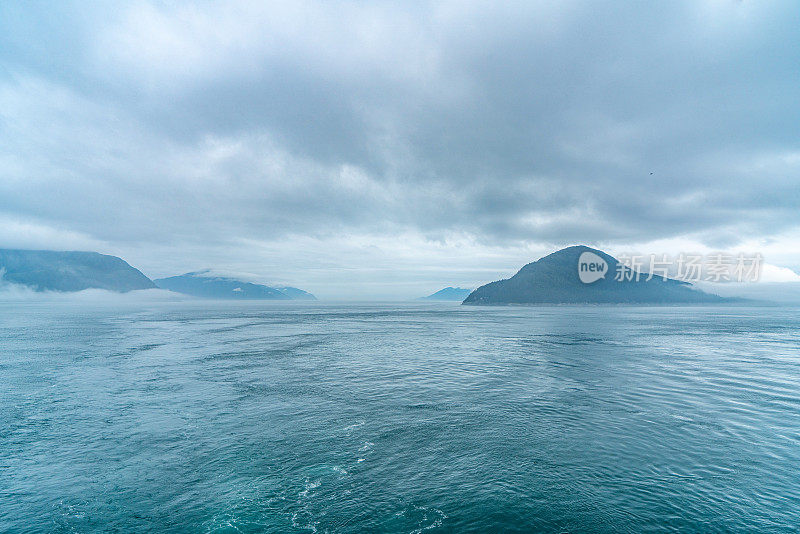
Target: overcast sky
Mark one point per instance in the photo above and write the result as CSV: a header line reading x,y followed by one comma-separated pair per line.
x,y
388,149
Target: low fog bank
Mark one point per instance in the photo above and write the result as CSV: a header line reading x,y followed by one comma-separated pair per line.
x,y
18,293
781,293
785,293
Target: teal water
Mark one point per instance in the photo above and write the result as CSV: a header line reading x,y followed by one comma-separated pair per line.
x,y
248,417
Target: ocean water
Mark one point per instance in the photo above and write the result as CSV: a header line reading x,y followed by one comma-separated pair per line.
x,y
312,417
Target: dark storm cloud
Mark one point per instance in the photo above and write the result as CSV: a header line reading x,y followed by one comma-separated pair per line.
x,y
548,122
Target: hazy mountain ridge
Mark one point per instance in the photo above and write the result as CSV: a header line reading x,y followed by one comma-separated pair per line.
x,y
207,285
49,270
554,279
295,293
449,294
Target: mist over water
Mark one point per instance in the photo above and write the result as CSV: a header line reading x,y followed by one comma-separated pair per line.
x,y
314,417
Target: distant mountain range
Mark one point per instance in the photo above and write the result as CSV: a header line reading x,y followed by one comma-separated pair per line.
x,y
553,279
48,270
449,293
207,285
556,279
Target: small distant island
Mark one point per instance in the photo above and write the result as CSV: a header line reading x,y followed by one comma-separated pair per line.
x,y
449,294
208,285
554,279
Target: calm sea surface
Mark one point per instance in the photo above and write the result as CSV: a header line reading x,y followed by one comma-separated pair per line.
x,y
214,417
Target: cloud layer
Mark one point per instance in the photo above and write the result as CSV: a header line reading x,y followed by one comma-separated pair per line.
x,y
382,142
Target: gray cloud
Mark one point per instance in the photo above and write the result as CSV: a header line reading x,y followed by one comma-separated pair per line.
x,y
221,129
